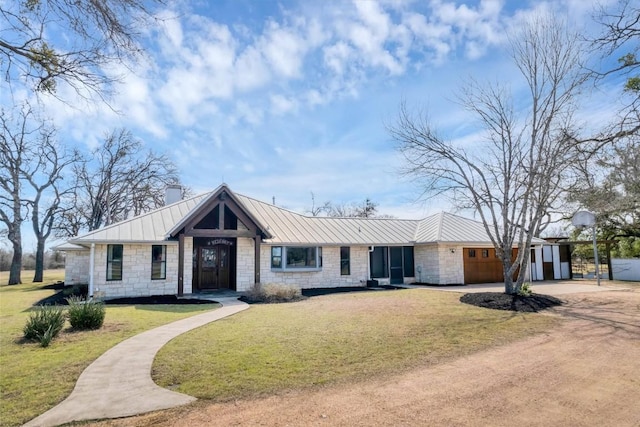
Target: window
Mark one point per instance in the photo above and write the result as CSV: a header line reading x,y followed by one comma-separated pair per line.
x,y
345,261
302,257
276,257
407,258
485,253
296,257
472,253
114,262
158,262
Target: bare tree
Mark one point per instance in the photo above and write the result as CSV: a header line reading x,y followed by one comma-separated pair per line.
x,y
513,178
14,154
620,36
97,33
118,182
318,210
32,167
365,209
48,189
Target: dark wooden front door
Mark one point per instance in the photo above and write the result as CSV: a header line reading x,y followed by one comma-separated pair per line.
x,y
214,267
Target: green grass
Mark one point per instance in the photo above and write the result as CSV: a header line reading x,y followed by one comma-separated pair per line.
x,y
331,339
34,379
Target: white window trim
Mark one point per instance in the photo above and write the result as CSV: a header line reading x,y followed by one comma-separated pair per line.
x,y
284,267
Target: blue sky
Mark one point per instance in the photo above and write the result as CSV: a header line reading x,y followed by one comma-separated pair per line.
x,y
281,99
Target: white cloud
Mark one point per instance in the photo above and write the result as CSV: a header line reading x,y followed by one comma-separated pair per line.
x,y
251,70
337,56
284,50
281,105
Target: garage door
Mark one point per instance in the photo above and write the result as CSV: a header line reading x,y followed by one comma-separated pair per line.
x,y
482,266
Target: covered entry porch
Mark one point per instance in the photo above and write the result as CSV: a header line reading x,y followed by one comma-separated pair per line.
x,y
208,243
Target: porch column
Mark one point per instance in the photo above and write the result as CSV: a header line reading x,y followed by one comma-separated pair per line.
x,y
92,255
608,251
258,240
181,265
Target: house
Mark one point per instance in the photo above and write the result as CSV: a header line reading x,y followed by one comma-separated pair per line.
x,y
224,240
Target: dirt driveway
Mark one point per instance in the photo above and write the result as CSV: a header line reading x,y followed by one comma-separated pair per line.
x,y
584,373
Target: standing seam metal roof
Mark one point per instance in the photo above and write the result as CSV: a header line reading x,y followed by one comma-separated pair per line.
x,y
287,227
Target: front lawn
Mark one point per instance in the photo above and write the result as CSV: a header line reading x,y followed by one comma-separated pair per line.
x,y
330,339
34,379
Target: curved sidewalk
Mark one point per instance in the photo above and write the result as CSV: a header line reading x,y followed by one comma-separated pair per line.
x,y
119,384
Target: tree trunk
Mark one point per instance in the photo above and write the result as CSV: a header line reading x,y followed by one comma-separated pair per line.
x,y
509,285
16,265
37,277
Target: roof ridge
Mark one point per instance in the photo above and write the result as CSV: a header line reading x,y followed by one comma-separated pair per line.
x,y
440,222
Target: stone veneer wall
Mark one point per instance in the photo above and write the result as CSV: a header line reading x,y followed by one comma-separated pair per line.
x,y
136,272
187,278
439,265
328,277
76,267
245,261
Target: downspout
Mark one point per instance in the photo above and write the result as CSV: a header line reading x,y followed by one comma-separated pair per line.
x,y
371,248
91,269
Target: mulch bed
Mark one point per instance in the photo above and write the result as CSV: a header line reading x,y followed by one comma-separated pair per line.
x,y
158,299
502,301
59,298
273,300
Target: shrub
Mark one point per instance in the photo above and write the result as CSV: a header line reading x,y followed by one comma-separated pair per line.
x,y
44,324
525,290
273,292
85,314
79,290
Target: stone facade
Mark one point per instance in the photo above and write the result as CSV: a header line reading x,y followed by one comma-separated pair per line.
x,y
245,261
76,267
136,273
439,264
326,277
436,265
187,278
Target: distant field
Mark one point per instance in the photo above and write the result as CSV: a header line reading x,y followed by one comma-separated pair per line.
x,y
27,276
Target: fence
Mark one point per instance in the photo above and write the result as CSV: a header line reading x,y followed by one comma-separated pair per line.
x,y
626,269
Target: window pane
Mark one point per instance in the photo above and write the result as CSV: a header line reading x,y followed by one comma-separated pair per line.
x,y
158,262
114,262
276,257
301,257
345,261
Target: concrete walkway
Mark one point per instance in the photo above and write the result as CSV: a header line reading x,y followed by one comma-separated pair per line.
x,y
119,384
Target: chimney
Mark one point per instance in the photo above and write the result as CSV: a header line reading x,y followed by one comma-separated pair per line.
x,y
173,193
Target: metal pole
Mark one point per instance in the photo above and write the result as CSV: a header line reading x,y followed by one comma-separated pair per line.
x,y
595,252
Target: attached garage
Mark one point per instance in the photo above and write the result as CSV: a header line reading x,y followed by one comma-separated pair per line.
x,y
481,265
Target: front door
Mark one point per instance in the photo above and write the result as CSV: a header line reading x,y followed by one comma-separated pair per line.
x,y
395,265
214,269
